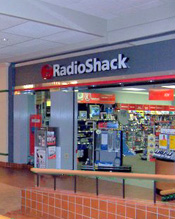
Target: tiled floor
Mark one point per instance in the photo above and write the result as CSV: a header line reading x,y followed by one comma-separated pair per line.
x,y
9,198
18,215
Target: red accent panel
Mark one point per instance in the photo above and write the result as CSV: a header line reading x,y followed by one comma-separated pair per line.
x,y
35,122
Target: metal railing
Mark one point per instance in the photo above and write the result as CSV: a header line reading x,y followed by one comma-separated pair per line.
x,y
96,174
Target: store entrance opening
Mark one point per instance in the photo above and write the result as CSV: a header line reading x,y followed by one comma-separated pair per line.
x,y
126,128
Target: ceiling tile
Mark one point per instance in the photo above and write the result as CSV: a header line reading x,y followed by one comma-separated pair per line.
x,y
33,29
12,39
7,22
69,37
30,47
103,8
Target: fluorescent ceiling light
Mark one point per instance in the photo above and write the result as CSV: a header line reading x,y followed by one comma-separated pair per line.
x,y
56,83
64,90
169,86
28,86
64,83
133,89
74,82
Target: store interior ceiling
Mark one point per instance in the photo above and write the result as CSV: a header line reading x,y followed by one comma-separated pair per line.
x,y
124,88
136,88
33,29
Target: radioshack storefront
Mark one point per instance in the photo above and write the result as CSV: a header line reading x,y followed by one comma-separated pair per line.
x,y
81,103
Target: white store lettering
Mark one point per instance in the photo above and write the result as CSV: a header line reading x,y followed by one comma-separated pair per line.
x,y
90,66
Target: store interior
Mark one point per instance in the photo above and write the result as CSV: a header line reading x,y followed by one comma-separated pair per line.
x,y
118,128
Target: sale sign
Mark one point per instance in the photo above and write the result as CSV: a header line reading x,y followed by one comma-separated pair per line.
x,y
161,94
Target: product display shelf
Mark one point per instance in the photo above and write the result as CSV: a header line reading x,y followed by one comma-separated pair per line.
x,y
96,120
141,124
86,139
85,142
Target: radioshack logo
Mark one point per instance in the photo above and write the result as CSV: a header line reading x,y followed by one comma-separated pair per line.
x,y
89,66
47,72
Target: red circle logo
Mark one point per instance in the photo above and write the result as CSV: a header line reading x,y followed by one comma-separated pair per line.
x,y
47,72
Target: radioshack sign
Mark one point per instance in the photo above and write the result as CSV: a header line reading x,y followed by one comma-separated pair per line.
x,y
91,65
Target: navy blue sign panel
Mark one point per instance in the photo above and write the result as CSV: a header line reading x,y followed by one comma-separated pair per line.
x,y
154,57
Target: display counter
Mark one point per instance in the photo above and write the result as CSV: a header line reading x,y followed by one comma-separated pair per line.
x,y
167,168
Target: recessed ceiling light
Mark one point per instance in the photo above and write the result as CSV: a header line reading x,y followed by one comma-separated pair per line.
x,y
169,86
4,39
133,89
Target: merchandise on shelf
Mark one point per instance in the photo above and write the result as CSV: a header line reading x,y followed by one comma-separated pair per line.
x,y
46,148
97,136
151,147
142,123
166,149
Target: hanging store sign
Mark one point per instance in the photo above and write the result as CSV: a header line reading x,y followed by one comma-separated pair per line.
x,y
91,65
161,94
96,98
140,107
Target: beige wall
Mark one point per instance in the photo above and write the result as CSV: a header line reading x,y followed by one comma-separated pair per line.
x,y
3,111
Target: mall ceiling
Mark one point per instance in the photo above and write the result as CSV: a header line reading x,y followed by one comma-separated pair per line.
x,y
31,29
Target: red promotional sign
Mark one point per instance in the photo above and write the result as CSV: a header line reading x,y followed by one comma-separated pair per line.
x,y
152,107
160,108
96,98
35,122
102,125
124,106
146,107
161,94
132,106
171,108
139,107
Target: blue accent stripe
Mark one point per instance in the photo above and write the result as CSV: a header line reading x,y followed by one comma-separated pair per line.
x,y
11,83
